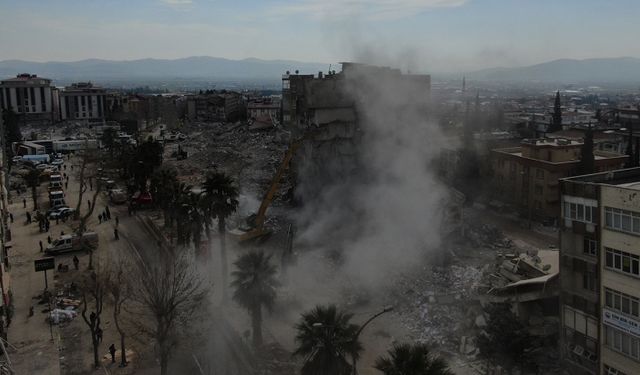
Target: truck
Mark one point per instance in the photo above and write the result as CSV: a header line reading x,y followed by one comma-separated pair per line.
x,y
36,159
72,242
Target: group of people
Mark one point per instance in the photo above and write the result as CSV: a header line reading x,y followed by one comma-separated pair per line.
x,y
105,215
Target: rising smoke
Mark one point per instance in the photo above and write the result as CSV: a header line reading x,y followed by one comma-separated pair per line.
x,y
386,215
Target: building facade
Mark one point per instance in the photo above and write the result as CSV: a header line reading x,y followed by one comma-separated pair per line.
x,y
30,97
265,108
83,101
600,273
527,176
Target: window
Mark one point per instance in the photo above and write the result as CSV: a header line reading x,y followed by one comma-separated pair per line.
x,y
622,302
608,370
590,281
580,212
579,322
286,84
623,220
621,261
538,189
590,247
622,342
540,174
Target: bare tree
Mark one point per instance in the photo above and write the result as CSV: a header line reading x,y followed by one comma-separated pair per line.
x,y
92,292
120,289
167,291
88,171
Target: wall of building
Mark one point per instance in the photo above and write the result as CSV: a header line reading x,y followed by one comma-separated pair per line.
x,y
626,199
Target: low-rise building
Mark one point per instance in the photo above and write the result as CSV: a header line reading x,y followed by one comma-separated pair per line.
x,y
527,176
600,272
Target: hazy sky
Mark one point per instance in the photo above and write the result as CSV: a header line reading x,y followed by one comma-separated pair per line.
x,y
425,35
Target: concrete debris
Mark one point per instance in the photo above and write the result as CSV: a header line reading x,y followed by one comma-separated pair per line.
x,y
487,235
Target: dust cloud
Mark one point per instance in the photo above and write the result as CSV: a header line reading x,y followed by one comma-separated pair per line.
x,y
386,216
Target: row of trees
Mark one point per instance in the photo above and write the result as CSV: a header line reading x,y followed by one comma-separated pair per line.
x,y
192,211
160,299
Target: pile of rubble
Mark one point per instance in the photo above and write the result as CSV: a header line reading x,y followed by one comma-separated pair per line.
x,y
486,235
438,306
252,157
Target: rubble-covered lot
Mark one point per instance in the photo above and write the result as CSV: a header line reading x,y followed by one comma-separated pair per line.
x,y
251,156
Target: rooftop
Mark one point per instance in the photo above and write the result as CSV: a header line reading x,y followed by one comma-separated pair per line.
x,y
24,77
628,178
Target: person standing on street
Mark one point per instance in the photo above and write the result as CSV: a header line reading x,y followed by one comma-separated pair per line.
x,y
115,233
112,350
117,221
11,217
41,248
99,218
28,218
106,209
89,204
76,262
49,240
24,202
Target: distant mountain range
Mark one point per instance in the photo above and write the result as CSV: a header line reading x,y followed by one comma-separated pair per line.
x,y
605,70
615,70
150,69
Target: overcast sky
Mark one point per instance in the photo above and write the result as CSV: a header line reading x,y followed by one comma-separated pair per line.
x,y
423,35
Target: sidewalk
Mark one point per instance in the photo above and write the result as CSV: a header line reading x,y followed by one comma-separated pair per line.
x,y
36,352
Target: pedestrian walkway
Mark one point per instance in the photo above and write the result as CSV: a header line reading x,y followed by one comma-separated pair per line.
x,y
36,352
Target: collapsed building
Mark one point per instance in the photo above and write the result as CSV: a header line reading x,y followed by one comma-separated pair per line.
x,y
328,111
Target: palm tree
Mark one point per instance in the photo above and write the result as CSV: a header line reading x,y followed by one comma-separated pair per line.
x,y
195,219
182,210
163,183
325,339
255,286
33,180
222,197
412,359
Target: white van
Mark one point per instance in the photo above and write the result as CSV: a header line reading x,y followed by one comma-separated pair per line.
x,y
72,242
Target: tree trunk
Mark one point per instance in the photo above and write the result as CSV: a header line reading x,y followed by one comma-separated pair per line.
x,y
123,353
164,362
96,359
256,325
34,196
223,258
76,215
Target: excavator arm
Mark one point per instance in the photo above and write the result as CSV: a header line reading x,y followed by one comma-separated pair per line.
x,y
258,230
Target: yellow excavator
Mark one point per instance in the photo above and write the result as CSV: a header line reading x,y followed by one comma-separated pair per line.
x,y
257,230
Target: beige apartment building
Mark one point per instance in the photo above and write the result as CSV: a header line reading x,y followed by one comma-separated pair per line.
x,y
600,273
527,176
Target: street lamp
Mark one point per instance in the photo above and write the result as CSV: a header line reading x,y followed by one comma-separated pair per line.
x,y
318,325
386,309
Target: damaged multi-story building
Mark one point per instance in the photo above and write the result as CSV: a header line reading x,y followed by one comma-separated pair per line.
x,y
600,272
527,176
327,110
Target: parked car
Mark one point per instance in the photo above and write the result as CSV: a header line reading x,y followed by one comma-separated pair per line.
x,y
117,196
42,167
57,162
61,213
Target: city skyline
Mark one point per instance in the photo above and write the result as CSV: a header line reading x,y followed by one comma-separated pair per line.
x,y
428,35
